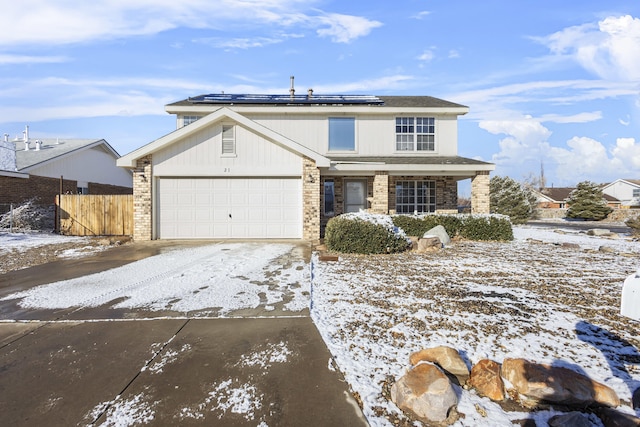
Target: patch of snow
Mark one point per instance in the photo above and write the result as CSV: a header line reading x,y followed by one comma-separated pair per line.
x,y
274,353
124,413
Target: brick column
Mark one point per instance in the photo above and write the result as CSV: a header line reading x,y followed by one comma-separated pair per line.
x,y
480,193
310,200
380,203
142,205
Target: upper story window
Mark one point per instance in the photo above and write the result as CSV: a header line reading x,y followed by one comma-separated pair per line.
x,y
228,140
415,134
342,134
636,192
187,120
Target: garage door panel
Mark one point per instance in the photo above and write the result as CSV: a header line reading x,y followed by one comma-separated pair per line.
x,y
229,208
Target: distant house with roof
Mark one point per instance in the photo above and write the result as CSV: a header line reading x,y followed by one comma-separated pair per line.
x,y
41,169
281,166
627,191
556,198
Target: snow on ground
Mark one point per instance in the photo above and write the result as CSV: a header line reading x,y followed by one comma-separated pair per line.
x,y
212,279
24,241
533,298
537,300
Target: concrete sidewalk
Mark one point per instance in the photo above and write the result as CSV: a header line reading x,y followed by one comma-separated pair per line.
x,y
166,371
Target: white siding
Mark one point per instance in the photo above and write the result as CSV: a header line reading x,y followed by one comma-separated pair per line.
x,y
375,134
201,155
91,165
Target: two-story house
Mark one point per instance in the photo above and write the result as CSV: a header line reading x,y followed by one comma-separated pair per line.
x,y
280,166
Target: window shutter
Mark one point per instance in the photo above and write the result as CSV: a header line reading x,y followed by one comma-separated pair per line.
x,y
228,140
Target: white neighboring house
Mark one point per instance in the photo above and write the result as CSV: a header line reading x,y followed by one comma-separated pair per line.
x,y
32,168
625,190
280,166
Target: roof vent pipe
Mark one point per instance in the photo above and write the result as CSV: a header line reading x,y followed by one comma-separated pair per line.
x,y
310,93
38,144
26,133
6,137
292,91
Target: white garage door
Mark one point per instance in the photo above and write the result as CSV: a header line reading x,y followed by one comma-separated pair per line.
x,y
216,208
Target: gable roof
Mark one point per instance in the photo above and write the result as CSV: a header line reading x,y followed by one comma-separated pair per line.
x,y
561,194
632,182
53,149
129,160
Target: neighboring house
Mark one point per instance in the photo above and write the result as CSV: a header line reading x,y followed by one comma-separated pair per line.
x,y
280,166
627,191
556,198
42,168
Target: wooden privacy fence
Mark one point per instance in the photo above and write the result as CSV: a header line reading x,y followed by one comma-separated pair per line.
x,y
95,215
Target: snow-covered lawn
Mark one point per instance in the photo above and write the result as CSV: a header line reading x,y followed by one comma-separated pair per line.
x,y
534,298
537,300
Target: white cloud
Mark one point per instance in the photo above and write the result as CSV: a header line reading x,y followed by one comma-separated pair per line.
x,y
50,22
239,43
426,56
574,118
453,53
421,15
526,139
29,59
627,150
610,49
345,28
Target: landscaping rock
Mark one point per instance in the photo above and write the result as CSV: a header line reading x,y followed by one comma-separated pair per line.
x,y
485,378
572,419
425,392
598,232
541,382
612,418
446,358
429,244
606,249
440,232
570,245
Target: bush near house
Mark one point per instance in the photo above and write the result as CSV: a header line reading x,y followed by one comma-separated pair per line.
x,y
379,234
364,234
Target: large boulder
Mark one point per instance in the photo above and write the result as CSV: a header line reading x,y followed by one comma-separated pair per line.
x,y
541,382
572,419
439,231
445,357
485,378
425,393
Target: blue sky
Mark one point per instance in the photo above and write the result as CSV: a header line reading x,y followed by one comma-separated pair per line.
x,y
548,82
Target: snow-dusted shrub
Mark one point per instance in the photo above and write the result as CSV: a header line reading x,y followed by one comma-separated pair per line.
x,y
29,216
364,233
417,225
634,225
487,227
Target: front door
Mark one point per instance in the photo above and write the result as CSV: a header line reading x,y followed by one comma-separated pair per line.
x,y
355,197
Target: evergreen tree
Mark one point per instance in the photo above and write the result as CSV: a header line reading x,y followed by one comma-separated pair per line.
x,y
587,202
508,197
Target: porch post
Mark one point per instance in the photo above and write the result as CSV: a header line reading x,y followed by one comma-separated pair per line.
x,y
480,193
142,218
380,202
310,200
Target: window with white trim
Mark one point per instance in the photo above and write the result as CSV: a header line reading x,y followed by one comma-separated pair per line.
x,y
415,134
228,140
187,120
415,197
342,134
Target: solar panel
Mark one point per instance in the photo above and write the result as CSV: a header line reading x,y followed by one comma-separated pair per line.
x,y
223,98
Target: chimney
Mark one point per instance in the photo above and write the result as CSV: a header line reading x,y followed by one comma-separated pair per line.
x,y
292,91
310,93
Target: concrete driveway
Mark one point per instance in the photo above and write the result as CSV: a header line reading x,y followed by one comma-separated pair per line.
x,y
121,358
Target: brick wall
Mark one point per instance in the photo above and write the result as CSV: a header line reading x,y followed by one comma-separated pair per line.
x,y
380,202
311,185
480,201
142,206
19,190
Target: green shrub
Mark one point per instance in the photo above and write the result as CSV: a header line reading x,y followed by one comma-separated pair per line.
x,y
418,225
487,227
634,225
364,234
